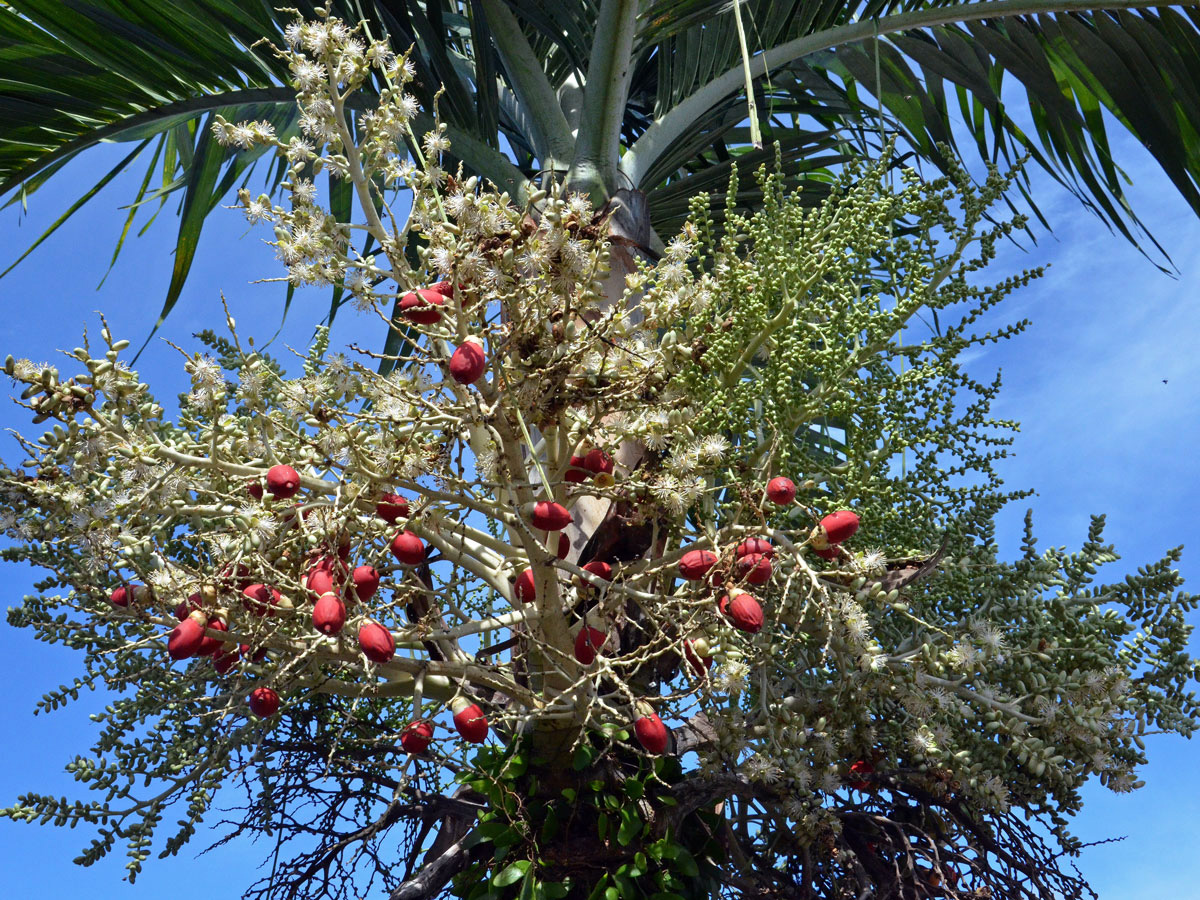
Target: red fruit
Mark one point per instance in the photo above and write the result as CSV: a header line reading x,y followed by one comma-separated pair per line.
x,y
597,461
831,552
755,568
745,613
445,288
376,642
261,600
838,526
264,702
755,545
576,473
238,576
588,643
526,588
391,507
781,490
408,548
599,569
366,582
126,593
211,645
423,306
564,546
471,723
325,575
223,662
723,604
468,362
258,655
329,614
862,767
700,663
651,733
255,490
548,516
283,482
186,637
695,564
416,737
185,607
343,550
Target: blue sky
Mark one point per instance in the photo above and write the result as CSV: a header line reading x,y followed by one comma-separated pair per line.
x,y
1101,432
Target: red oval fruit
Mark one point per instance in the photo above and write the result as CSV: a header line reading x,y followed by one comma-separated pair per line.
x,y
840,525
695,564
471,723
223,662
325,575
126,593
423,306
575,472
264,702
366,582
548,516
184,608
745,613
408,548
588,643
599,569
755,568
416,737
755,545
186,637
376,642
256,655
564,546
651,733
211,645
445,288
781,490
468,363
597,461
526,587
283,482
255,490
861,767
830,552
329,614
723,604
391,507
237,576
261,600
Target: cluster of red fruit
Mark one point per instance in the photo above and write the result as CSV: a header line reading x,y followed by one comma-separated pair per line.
x,y
424,307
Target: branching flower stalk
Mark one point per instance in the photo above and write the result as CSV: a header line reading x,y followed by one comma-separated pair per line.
x,y
868,711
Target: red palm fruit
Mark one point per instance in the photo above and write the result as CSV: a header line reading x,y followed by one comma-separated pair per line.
x,y
695,564
526,587
283,481
838,526
128,593
344,547
445,288
470,721
723,604
861,767
576,473
423,306
416,737
261,600
366,582
745,613
255,490
755,545
597,461
755,568
781,490
564,546
256,655
468,362
588,643
185,607
212,645
329,614
223,662
186,637
547,516
325,575
699,661
651,733
391,507
376,642
264,702
599,569
236,576
408,548
830,552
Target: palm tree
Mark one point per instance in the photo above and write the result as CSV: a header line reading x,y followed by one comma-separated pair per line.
x,y
643,102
